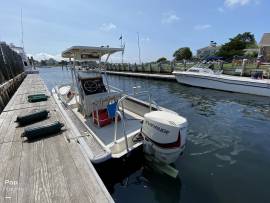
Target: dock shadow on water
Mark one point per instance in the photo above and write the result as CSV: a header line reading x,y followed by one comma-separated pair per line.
x,y
227,157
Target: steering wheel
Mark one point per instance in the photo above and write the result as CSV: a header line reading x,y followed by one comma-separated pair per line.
x,y
90,86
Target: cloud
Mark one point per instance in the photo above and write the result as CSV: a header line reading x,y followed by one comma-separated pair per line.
x,y
169,17
45,56
202,27
107,27
233,3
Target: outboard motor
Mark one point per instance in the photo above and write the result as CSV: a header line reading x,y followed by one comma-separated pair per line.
x,y
165,135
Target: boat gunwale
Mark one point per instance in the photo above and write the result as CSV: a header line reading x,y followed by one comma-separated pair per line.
x,y
261,83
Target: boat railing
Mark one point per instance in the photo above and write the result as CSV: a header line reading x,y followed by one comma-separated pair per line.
x,y
119,114
136,93
114,88
147,93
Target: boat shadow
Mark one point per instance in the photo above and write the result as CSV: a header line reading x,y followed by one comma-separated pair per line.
x,y
128,176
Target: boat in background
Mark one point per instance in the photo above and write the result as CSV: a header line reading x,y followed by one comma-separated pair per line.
x,y
201,75
28,65
117,122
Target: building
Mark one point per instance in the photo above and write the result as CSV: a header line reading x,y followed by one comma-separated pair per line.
x,y
264,46
208,51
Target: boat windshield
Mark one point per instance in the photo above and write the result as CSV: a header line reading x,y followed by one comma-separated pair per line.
x,y
201,68
202,65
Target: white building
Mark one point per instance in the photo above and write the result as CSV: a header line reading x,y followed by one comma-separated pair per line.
x,y
264,46
210,50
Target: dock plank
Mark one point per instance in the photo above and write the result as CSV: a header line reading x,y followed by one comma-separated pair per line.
x,y
45,170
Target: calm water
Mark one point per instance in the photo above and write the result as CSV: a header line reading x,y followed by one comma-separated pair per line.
x,y
227,158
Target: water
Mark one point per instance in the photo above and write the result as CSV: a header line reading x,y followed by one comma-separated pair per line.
x,y
227,158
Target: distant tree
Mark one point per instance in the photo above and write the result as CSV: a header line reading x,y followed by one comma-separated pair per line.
x,y
236,45
182,53
248,39
43,63
162,60
62,62
253,54
51,61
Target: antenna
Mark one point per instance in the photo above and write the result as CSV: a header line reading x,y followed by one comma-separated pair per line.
x,y
139,48
122,46
22,28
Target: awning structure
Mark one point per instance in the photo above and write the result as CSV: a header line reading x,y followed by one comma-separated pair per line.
x,y
88,52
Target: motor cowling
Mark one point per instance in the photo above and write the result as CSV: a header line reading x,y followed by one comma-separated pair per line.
x,y
165,135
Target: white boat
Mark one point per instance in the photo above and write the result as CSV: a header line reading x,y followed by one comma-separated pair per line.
x,y
28,65
202,76
116,123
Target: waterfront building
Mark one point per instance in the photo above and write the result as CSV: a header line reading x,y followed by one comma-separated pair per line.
x,y
264,46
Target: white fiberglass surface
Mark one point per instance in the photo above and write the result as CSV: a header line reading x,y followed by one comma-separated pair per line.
x,y
64,89
106,133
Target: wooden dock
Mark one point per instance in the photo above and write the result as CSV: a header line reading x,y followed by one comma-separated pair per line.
x,y
52,169
8,88
154,76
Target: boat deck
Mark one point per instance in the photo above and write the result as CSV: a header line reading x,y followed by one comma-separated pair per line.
x,y
52,169
106,133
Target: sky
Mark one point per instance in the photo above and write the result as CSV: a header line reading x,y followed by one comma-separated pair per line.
x,y
51,26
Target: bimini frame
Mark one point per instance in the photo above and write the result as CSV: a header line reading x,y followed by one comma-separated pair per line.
x,y
89,53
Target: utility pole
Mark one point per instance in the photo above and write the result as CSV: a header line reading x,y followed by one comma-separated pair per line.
x,y
22,28
139,48
122,46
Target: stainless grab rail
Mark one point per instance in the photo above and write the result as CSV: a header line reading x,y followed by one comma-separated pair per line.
x,y
118,113
151,101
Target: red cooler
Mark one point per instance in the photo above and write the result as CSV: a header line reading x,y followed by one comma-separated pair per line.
x,y
102,119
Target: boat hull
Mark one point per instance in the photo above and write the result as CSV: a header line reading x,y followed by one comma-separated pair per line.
x,y
226,83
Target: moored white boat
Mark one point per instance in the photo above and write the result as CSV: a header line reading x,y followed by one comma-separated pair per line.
x,y
116,122
201,76
27,64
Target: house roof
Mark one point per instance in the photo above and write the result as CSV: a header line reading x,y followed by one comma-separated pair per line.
x,y
209,48
265,41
